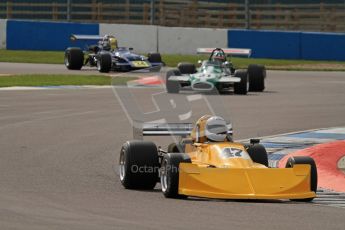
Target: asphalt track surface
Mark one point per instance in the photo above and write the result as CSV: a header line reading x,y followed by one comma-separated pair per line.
x,y
59,148
25,68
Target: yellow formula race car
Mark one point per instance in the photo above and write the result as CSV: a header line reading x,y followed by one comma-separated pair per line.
x,y
207,163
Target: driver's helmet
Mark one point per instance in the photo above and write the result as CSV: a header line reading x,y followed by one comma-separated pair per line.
x,y
216,129
109,42
219,56
210,128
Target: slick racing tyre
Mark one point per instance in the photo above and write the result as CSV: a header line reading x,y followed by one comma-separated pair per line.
x,y
139,165
154,57
313,172
242,86
104,62
170,173
74,58
186,68
173,86
257,75
172,72
175,148
258,154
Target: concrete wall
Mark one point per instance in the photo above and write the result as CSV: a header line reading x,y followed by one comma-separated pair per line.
x,y
32,35
290,45
318,46
267,44
171,40
3,35
143,38
177,40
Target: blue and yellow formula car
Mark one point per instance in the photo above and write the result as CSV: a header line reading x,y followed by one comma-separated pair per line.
x,y
108,56
208,163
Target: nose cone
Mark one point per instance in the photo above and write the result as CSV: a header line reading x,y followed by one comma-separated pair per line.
x,y
237,163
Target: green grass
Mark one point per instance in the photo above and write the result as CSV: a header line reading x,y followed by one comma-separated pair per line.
x,y
58,80
50,57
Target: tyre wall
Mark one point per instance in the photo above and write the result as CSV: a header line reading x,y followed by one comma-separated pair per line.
x,y
3,24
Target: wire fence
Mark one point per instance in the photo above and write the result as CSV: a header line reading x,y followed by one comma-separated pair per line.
x,y
308,15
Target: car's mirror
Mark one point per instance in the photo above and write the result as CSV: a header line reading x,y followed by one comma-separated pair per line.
x,y
254,141
130,48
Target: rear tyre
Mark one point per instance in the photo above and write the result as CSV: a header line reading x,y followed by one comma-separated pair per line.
x,y
170,173
186,68
258,154
139,165
313,172
104,62
257,75
242,86
154,57
74,58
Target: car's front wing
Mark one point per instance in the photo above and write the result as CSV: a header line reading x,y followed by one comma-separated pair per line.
x,y
245,183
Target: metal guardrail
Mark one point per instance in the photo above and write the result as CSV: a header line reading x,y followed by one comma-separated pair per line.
x,y
186,13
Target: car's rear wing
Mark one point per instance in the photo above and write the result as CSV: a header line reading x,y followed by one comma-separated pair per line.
x,y
75,37
162,129
167,129
227,51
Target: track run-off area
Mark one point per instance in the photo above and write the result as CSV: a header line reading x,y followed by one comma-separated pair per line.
x,y
60,147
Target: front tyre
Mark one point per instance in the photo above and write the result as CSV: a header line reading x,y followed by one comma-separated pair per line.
x,y
104,62
74,58
258,154
313,172
170,173
139,165
242,86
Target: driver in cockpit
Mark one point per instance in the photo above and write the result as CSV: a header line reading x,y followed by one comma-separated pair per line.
x,y
109,43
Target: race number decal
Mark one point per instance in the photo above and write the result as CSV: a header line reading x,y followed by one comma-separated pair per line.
x,y
234,153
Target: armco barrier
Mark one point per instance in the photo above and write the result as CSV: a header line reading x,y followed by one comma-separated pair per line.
x,y
267,44
30,35
3,23
290,45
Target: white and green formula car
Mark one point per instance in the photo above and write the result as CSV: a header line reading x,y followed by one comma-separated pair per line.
x,y
217,74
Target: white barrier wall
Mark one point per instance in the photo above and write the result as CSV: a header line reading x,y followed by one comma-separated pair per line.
x,y
166,40
3,23
143,38
179,40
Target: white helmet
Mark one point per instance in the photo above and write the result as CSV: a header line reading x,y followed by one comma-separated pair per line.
x,y
216,129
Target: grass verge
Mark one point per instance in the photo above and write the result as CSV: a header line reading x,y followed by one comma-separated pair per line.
x,y
58,80
51,57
